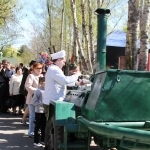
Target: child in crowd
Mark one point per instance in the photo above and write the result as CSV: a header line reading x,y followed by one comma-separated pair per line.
x,y
40,119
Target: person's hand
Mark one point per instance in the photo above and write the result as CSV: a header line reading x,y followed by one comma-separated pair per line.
x,y
80,82
84,82
77,83
10,94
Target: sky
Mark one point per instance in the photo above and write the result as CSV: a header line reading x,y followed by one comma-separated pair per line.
x,y
29,6
25,23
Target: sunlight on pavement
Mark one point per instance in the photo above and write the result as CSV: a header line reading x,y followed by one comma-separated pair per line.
x,y
12,131
10,118
3,141
14,135
8,127
12,146
26,135
16,123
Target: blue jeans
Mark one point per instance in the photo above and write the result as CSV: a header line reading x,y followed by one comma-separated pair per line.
x,y
31,118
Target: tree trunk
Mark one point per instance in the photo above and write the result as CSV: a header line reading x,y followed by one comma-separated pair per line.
x,y
91,36
50,25
132,35
128,61
87,48
76,58
99,3
144,27
73,8
54,49
134,29
65,28
62,24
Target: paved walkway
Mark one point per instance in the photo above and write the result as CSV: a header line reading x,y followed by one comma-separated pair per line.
x,y
13,135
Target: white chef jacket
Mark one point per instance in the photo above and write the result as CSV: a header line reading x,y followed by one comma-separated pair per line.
x,y
55,84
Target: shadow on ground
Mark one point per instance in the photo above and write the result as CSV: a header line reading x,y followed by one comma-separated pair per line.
x,y
13,135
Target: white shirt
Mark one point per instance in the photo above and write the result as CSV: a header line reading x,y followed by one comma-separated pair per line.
x,y
55,84
15,83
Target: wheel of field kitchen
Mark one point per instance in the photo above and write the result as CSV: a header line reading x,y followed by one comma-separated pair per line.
x,y
48,135
53,135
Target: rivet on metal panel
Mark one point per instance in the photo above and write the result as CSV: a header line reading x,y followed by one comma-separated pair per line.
x,y
118,79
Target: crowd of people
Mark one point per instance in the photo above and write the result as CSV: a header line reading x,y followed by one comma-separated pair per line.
x,y
17,87
32,88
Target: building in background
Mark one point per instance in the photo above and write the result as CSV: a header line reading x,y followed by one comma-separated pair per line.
x,y
115,47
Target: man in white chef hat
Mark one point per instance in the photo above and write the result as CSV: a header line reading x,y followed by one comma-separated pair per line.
x,y
56,81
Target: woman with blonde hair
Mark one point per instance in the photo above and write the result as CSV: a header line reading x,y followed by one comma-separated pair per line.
x,y
31,86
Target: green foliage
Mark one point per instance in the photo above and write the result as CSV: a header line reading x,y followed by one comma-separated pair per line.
x,y
23,48
124,28
25,54
6,10
26,57
10,52
10,15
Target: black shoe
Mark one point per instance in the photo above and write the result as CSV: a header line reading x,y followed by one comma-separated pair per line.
x,y
24,123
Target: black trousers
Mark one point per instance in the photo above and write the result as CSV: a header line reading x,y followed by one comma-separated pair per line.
x,y
4,94
40,123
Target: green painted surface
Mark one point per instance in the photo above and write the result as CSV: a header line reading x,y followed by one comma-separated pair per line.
x,y
124,96
63,112
110,131
101,39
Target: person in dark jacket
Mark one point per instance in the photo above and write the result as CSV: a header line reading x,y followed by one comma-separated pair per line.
x,y
25,71
22,90
4,86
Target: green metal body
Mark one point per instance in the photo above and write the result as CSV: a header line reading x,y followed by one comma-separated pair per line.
x,y
101,36
117,107
124,94
116,111
101,43
63,111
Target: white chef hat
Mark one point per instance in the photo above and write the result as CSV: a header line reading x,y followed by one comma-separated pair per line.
x,y
58,55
